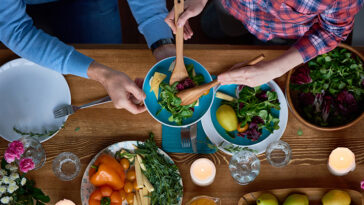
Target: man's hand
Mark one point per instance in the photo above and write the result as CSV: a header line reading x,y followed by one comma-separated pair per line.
x,y
192,9
164,51
122,90
262,72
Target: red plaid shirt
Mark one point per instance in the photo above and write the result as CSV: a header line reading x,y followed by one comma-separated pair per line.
x,y
319,25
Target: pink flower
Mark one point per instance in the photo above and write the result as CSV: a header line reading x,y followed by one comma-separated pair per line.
x,y
26,164
14,151
362,184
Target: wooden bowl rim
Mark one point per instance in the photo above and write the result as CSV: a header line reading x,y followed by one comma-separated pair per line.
x,y
299,117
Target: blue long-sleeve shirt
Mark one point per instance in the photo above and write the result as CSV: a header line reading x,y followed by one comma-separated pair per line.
x,y
19,34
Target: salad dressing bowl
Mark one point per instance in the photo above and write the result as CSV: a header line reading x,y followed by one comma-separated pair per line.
x,y
151,102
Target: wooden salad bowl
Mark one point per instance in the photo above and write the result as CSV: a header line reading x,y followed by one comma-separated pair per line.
x,y
314,195
291,104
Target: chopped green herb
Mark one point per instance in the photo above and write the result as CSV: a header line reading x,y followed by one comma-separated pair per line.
x,y
299,132
46,133
77,129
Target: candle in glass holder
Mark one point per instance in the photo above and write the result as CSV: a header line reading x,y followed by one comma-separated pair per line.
x,y
341,161
203,172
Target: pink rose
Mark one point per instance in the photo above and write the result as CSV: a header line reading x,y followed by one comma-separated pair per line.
x,y
26,164
9,156
362,184
17,146
14,151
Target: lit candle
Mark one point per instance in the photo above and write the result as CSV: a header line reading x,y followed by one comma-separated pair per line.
x,y
341,161
65,202
203,172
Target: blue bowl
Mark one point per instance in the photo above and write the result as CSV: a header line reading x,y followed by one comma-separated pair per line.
x,y
151,101
231,90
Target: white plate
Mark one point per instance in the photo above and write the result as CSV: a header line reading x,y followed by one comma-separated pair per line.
x,y
87,188
260,147
29,93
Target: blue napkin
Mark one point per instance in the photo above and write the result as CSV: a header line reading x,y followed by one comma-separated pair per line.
x,y
171,141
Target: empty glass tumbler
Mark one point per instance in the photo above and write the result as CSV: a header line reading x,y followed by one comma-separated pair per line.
x,y
33,149
278,153
66,166
244,167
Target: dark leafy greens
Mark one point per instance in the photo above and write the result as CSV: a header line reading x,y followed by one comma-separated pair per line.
x,y
331,88
162,173
254,106
169,100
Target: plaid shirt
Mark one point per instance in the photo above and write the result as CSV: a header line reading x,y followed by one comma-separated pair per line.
x,y
319,25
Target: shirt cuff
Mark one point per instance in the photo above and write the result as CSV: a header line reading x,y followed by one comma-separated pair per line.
x,y
155,29
306,48
78,64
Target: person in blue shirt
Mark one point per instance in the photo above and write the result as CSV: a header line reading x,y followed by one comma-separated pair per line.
x,y
38,30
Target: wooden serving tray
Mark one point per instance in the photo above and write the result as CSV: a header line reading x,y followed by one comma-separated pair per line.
x,y
314,195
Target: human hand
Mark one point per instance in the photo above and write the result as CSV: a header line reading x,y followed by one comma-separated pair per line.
x,y
123,91
262,72
164,51
192,8
251,76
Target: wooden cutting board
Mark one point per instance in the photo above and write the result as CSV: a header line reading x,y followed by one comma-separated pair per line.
x,y
314,195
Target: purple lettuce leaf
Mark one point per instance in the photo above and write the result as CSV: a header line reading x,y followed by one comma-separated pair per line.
x,y
346,103
301,76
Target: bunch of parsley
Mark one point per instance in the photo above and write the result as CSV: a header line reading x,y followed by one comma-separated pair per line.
x,y
162,173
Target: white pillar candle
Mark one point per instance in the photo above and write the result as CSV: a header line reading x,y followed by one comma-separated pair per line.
x,y
203,172
341,161
65,202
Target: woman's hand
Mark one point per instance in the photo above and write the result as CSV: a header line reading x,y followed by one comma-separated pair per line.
x,y
123,91
262,72
192,8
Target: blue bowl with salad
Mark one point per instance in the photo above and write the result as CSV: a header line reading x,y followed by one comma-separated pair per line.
x,y
161,102
247,117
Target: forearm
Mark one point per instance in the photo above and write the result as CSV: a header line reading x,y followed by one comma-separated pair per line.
x,y
20,35
99,72
290,59
150,18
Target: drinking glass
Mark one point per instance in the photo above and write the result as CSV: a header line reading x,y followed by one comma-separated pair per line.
x,y
66,166
278,153
33,149
244,167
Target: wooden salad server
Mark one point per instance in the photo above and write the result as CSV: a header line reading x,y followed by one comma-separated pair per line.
x,y
190,95
179,72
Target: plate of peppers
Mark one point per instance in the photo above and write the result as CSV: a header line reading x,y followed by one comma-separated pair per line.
x,y
128,173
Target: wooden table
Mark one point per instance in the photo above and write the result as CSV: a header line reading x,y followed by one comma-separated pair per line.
x,y
103,125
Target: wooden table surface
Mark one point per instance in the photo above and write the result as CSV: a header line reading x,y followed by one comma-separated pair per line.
x,y
103,125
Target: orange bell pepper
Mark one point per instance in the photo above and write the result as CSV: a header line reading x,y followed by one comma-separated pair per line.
x,y
107,171
105,175
105,196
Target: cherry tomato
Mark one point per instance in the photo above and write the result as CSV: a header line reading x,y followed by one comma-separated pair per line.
x,y
130,198
123,195
128,187
243,128
135,185
125,163
130,175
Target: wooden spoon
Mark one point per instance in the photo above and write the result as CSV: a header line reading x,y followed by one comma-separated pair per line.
x,y
190,95
179,72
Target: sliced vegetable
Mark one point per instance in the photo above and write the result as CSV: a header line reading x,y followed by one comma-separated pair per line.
x,y
224,96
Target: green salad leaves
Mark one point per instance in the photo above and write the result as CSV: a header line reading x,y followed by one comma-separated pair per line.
x,y
169,100
331,88
254,107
